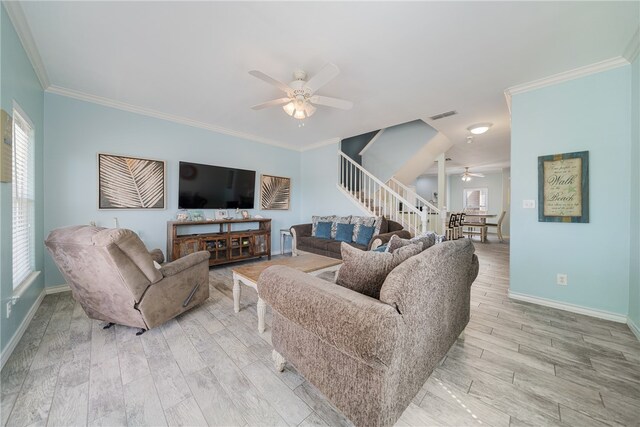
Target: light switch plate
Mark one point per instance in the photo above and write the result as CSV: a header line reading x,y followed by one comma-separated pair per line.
x,y
529,204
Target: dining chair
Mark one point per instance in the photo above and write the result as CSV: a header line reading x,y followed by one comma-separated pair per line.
x,y
498,225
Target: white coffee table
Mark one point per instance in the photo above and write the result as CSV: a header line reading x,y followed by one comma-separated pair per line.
x,y
249,274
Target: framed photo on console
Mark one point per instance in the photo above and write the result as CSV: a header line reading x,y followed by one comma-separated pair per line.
x,y
563,187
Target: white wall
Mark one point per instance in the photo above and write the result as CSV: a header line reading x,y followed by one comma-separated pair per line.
x,y
426,185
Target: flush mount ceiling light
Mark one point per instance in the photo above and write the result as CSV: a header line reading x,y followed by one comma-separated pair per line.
x,y
479,128
469,139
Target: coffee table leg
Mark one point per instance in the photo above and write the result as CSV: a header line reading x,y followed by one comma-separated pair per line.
x,y
236,293
262,309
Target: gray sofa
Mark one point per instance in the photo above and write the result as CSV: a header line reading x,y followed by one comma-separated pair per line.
x,y
370,357
305,242
112,276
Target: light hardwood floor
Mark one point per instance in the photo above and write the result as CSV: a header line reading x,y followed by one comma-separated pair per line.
x,y
518,364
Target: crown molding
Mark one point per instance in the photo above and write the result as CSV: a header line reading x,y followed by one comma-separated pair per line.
x,y
320,144
16,15
576,73
633,48
94,99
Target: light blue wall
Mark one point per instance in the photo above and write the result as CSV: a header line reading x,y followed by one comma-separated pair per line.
x,y
77,131
19,83
634,272
319,170
388,154
590,113
426,185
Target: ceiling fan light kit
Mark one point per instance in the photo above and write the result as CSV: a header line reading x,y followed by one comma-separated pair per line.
x,y
300,92
479,128
466,175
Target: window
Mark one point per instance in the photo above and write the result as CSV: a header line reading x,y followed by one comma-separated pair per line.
x,y
475,199
22,185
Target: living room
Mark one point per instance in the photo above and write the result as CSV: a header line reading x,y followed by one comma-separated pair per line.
x,y
90,80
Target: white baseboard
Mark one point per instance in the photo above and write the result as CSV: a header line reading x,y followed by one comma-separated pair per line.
x,y
57,289
634,328
17,336
600,314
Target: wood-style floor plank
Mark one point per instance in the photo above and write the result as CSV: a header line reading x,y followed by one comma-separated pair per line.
x,y
518,364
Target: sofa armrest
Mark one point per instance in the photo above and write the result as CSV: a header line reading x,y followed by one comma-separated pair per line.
x,y
302,230
381,239
355,324
157,255
174,267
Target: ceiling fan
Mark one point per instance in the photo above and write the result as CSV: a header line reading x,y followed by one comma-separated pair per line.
x,y
466,175
301,93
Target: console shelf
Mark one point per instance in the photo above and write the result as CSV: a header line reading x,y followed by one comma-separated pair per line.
x,y
224,246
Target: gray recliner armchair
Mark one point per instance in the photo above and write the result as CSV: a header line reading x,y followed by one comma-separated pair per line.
x,y
113,277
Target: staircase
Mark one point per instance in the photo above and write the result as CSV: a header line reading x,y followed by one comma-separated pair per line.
x,y
374,197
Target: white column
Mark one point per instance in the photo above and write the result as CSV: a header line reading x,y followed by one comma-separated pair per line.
x,y
442,191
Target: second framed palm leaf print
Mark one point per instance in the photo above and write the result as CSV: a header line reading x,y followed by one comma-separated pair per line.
x,y
275,192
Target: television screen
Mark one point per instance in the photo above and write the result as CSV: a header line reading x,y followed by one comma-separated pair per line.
x,y
215,187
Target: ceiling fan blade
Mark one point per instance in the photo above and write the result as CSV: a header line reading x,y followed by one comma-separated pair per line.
x,y
331,102
271,103
479,175
262,76
324,76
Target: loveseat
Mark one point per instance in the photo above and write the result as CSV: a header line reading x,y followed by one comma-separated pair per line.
x,y
304,239
371,356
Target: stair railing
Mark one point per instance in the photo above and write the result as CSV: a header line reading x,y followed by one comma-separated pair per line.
x,y
377,198
421,203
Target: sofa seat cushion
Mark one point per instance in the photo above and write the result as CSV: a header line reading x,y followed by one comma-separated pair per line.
x,y
314,242
366,271
336,247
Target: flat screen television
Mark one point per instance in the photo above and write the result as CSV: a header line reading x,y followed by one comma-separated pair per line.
x,y
215,187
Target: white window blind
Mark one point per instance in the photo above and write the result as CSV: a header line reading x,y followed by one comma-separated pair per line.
x,y
23,199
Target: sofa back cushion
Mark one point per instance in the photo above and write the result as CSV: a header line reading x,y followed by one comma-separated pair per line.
x,y
316,219
338,220
427,240
377,222
366,271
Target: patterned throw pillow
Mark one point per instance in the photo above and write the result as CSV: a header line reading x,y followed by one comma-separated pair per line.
x,y
339,220
316,219
427,240
365,271
361,220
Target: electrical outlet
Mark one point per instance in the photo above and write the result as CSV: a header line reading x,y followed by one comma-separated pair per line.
x,y
9,305
529,204
561,279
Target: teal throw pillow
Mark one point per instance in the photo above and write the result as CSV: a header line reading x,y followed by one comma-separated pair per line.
x,y
323,230
344,232
365,234
381,248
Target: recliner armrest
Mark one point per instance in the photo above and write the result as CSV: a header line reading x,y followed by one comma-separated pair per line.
x,y
354,323
157,255
385,237
174,267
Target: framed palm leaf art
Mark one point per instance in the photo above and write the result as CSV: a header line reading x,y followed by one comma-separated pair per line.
x,y
130,183
275,192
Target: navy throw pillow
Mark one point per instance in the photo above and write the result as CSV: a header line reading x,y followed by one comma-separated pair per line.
x,y
323,230
365,234
344,232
